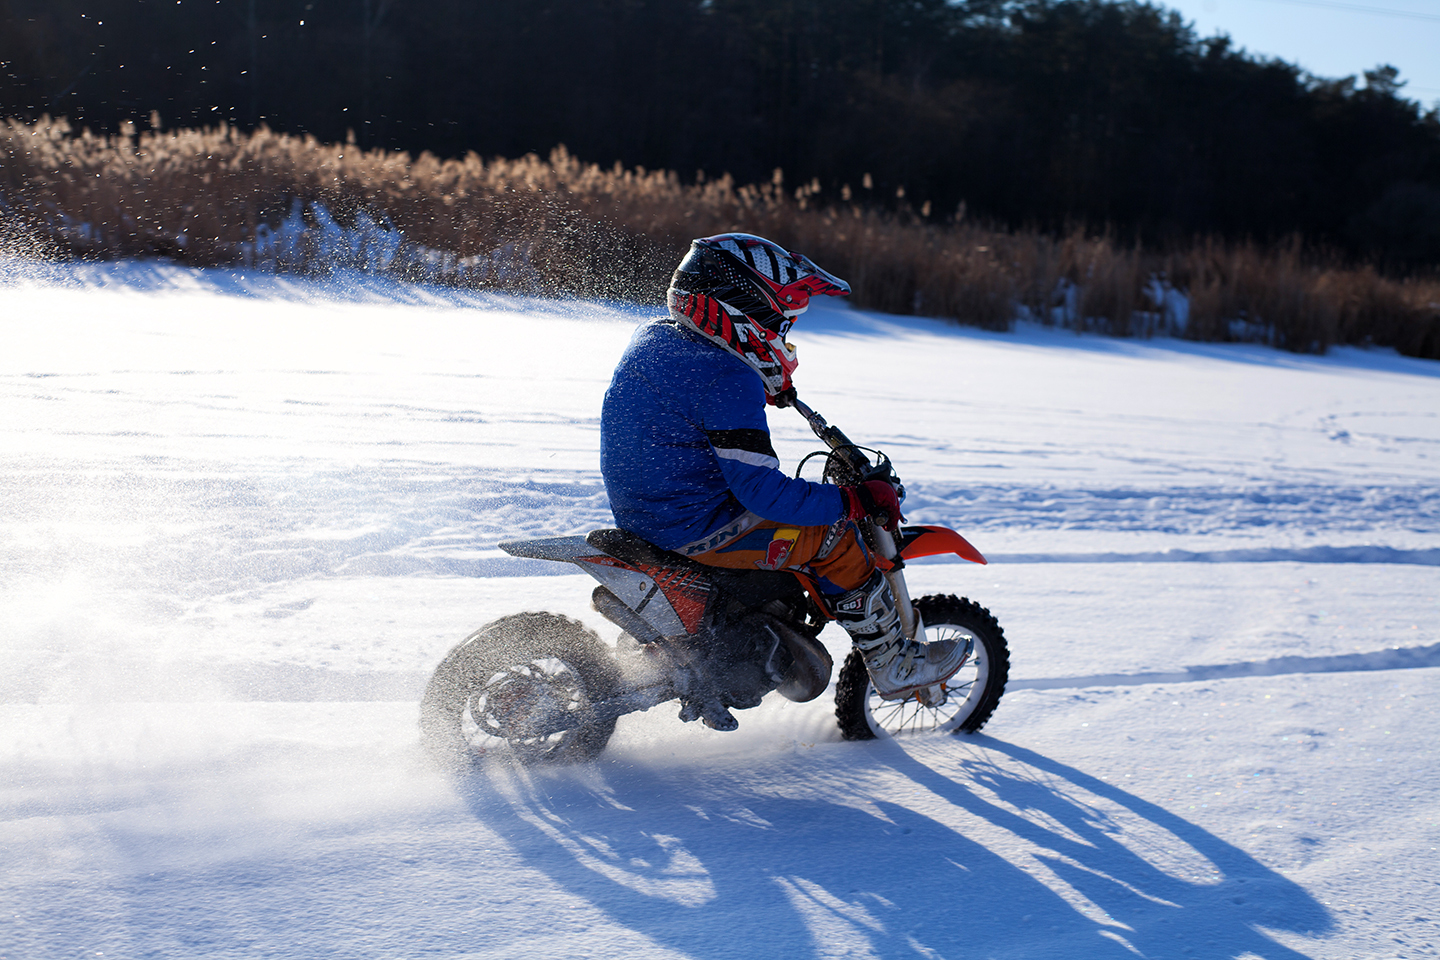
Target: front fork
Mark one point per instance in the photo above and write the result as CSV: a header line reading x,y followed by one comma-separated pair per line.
x,y
882,539
910,620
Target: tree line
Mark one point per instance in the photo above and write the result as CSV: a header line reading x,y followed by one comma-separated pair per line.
x,y
1043,114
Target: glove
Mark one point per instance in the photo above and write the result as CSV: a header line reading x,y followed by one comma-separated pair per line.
x,y
873,498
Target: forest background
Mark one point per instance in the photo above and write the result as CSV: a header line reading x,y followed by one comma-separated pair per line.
x,y
1075,159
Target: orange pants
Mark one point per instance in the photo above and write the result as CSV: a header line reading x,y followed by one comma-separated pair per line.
x,y
834,558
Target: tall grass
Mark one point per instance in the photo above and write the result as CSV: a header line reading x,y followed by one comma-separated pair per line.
x,y
558,226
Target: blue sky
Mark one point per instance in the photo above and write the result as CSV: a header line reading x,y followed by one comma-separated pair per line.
x,y
1332,38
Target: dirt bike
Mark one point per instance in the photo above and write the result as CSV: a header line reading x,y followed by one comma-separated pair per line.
x,y
541,687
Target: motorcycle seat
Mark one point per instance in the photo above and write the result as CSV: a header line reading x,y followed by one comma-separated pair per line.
x,y
624,545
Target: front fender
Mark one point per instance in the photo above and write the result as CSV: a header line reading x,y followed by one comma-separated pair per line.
x,y
927,541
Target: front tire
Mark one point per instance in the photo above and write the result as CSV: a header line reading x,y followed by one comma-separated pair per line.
x,y
971,695
492,693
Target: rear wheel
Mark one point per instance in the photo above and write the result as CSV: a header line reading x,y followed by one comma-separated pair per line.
x,y
509,685
966,700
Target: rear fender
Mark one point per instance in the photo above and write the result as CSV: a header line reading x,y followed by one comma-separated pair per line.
x,y
670,600
550,548
928,541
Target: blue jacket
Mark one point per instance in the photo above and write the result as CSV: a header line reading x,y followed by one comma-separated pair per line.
x,y
685,448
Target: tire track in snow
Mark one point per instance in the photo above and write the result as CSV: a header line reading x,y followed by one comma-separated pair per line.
x,y
1356,554
199,531
1395,658
1197,510
303,684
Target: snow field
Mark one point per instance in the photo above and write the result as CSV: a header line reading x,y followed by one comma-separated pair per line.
x,y
244,517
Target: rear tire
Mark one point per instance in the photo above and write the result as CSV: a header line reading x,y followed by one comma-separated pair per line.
x,y
972,694
520,668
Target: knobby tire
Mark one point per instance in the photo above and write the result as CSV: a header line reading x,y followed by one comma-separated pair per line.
x,y
542,652
856,707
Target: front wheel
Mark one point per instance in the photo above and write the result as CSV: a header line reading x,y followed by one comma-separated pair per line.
x,y
967,699
520,687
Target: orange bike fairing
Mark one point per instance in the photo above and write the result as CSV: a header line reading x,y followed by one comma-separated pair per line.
x,y
927,541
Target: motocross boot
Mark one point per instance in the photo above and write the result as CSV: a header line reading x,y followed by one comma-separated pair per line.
x,y
711,711
700,698
897,666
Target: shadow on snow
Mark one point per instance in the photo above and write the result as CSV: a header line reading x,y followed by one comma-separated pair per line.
x,y
811,856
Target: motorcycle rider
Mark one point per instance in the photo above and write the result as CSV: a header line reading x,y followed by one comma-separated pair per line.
x,y
688,464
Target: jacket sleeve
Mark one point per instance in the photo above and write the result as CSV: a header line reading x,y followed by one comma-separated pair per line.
x,y
733,417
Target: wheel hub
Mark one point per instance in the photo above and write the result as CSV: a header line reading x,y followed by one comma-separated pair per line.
x,y
933,697
521,705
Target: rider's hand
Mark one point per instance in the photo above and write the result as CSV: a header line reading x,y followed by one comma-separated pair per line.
x,y
873,498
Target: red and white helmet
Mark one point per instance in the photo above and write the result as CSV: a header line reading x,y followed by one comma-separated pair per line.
x,y
743,292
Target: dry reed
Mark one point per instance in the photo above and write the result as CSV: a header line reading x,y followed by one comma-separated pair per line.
x,y
557,226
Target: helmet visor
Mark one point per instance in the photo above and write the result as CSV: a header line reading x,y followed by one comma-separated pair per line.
x,y
809,281
817,281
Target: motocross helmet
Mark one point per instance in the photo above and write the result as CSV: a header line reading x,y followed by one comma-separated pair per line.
x,y
742,292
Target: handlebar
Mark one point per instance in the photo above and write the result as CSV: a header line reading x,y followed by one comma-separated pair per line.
x,y
881,539
850,454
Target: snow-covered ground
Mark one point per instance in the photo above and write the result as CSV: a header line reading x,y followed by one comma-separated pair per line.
x,y
242,517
